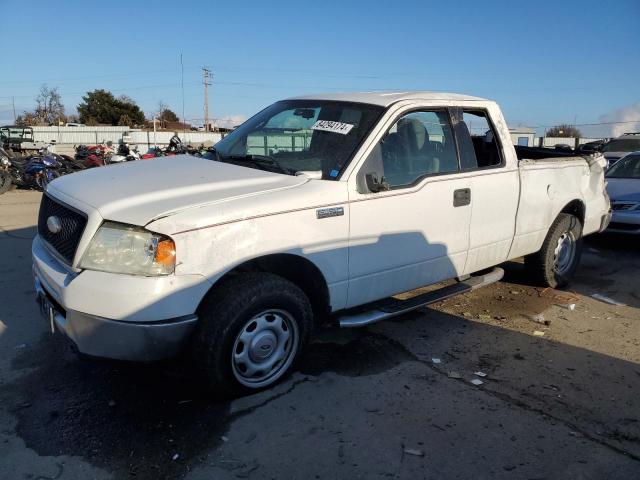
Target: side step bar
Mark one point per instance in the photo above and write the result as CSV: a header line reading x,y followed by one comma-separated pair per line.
x,y
391,307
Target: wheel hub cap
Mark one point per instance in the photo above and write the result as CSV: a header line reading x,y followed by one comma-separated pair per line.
x,y
564,253
264,348
263,345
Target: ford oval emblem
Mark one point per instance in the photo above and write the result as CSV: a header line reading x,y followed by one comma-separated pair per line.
x,y
53,224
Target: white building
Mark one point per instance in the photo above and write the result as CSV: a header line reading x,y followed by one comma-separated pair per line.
x,y
523,136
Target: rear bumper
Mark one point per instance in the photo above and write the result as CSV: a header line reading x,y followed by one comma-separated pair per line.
x,y
604,223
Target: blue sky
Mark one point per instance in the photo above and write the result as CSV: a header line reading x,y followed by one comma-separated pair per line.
x,y
544,62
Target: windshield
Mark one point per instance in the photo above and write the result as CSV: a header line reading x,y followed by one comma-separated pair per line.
x,y
17,133
622,145
300,135
628,167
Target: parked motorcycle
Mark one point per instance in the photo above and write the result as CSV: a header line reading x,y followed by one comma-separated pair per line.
x,y
154,152
70,164
36,171
124,154
5,172
92,156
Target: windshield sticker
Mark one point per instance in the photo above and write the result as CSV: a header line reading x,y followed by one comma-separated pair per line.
x,y
331,126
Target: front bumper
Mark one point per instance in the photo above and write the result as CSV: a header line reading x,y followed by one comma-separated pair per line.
x,y
102,337
117,316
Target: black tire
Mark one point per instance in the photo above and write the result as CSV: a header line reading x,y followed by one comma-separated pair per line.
x,y
5,182
227,313
545,266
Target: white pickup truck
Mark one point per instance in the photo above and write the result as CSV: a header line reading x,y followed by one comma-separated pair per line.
x,y
319,208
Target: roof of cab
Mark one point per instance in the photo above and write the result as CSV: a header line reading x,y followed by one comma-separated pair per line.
x,y
387,98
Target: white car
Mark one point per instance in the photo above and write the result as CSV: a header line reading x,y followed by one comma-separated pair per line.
x,y
318,208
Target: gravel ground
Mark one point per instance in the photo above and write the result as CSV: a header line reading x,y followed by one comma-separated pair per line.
x,y
368,403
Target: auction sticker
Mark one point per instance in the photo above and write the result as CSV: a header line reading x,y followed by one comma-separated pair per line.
x,y
331,126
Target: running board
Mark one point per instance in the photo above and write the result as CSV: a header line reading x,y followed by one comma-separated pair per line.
x,y
392,307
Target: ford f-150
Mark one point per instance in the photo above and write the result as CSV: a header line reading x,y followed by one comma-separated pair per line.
x,y
319,208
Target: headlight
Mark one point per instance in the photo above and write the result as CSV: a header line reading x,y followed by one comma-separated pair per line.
x,y
4,160
120,248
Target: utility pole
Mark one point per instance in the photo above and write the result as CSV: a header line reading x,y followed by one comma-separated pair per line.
x,y
13,100
206,74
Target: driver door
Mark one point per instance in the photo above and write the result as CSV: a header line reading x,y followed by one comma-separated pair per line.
x,y
416,232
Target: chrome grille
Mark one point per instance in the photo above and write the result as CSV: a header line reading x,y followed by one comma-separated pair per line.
x,y
72,224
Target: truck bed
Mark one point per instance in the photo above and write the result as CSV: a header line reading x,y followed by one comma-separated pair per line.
x,y
538,153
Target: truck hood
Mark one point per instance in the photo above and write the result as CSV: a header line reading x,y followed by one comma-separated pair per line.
x,y
142,191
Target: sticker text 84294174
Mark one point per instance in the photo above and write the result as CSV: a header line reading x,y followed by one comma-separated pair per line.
x,y
331,126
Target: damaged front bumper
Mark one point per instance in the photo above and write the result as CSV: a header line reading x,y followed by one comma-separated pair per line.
x,y
117,316
102,337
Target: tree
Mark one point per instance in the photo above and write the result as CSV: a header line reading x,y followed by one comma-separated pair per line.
x,y
564,130
125,121
165,114
169,116
101,107
27,119
49,107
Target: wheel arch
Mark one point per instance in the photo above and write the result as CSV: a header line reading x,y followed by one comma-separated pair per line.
x,y
297,269
576,208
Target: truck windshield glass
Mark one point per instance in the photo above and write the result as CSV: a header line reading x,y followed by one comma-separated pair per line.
x,y
300,135
628,167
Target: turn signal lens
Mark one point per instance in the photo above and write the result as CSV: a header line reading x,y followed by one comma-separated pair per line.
x,y
166,253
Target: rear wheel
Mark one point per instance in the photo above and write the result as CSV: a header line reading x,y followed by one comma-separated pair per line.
x,y
251,331
556,262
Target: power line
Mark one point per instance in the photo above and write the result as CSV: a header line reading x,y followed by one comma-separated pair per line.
x,y
589,124
205,81
182,87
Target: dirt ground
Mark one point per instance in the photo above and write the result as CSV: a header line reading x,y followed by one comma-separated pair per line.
x,y
560,397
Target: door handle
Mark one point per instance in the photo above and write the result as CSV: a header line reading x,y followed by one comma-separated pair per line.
x,y
461,197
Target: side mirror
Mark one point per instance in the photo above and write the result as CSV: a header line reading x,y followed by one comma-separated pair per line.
x,y
374,184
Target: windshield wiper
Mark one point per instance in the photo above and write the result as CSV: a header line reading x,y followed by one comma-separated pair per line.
x,y
258,160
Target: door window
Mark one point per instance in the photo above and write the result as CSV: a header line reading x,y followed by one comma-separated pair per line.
x,y
418,144
483,137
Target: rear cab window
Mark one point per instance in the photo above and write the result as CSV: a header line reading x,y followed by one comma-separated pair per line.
x,y
478,142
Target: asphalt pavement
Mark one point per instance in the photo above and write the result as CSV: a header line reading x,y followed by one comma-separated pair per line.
x,y
558,399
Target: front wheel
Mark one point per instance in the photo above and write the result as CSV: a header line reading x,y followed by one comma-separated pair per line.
x,y
251,330
45,178
556,262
